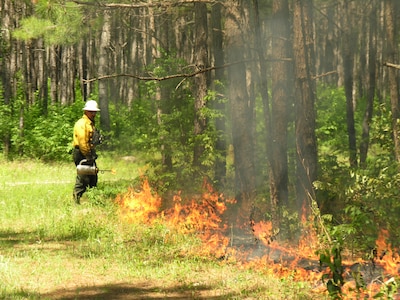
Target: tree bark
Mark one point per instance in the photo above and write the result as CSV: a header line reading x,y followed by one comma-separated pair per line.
x,y
218,54
392,56
364,144
200,80
348,65
306,144
6,71
282,97
103,69
241,111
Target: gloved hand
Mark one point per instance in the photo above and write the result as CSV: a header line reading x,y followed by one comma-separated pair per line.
x,y
97,138
94,155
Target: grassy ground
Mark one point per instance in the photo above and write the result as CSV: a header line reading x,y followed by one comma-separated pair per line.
x,y
53,249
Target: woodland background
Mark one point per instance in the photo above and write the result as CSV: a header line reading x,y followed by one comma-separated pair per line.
x,y
290,106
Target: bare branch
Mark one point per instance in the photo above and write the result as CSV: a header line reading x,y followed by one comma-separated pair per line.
x,y
144,4
325,74
182,75
390,65
149,78
155,78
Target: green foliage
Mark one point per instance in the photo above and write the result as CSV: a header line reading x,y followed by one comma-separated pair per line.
x,y
57,22
375,204
331,122
6,119
389,290
163,122
48,137
381,132
130,127
36,133
331,130
357,202
332,258
368,203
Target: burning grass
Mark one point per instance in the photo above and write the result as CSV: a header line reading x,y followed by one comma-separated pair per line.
x,y
203,217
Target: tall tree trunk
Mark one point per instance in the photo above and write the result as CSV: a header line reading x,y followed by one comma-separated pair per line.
x,y
6,69
200,80
306,144
241,111
27,66
67,75
42,74
282,96
220,145
164,91
103,69
348,64
53,55
364,144
392,57
161,94
83,68
326,41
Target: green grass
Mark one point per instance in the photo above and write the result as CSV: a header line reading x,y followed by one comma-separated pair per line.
x,y
52,249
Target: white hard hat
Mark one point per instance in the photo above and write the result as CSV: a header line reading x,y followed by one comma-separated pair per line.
x,y
91,105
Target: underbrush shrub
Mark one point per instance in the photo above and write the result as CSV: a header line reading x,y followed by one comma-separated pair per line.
x,y
367,202
47,136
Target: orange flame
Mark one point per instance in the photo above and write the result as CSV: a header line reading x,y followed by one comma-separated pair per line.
x,y
263,231
203,217
140,206
386,256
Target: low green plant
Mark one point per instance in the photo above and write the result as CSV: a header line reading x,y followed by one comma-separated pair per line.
x,y
332,258
389,290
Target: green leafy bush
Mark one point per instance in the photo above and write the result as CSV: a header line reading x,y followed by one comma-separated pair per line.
x,y
48,136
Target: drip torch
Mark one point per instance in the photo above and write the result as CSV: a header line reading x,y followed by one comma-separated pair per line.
x,y
84,169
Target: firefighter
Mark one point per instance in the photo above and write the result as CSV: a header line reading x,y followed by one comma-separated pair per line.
x,y
85,139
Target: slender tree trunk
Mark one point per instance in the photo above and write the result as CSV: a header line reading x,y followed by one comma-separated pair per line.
x,y
200,80
392,57
83,68
103,70
282,95
53,55
132,62
306,145
348,64
382,72
220,145
42,74
27,66
364,145
6,70
242,112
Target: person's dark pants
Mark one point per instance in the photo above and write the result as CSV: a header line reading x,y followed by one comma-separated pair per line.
x,y
82,181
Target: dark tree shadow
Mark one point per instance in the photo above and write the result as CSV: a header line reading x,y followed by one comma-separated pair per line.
x,y
145,291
